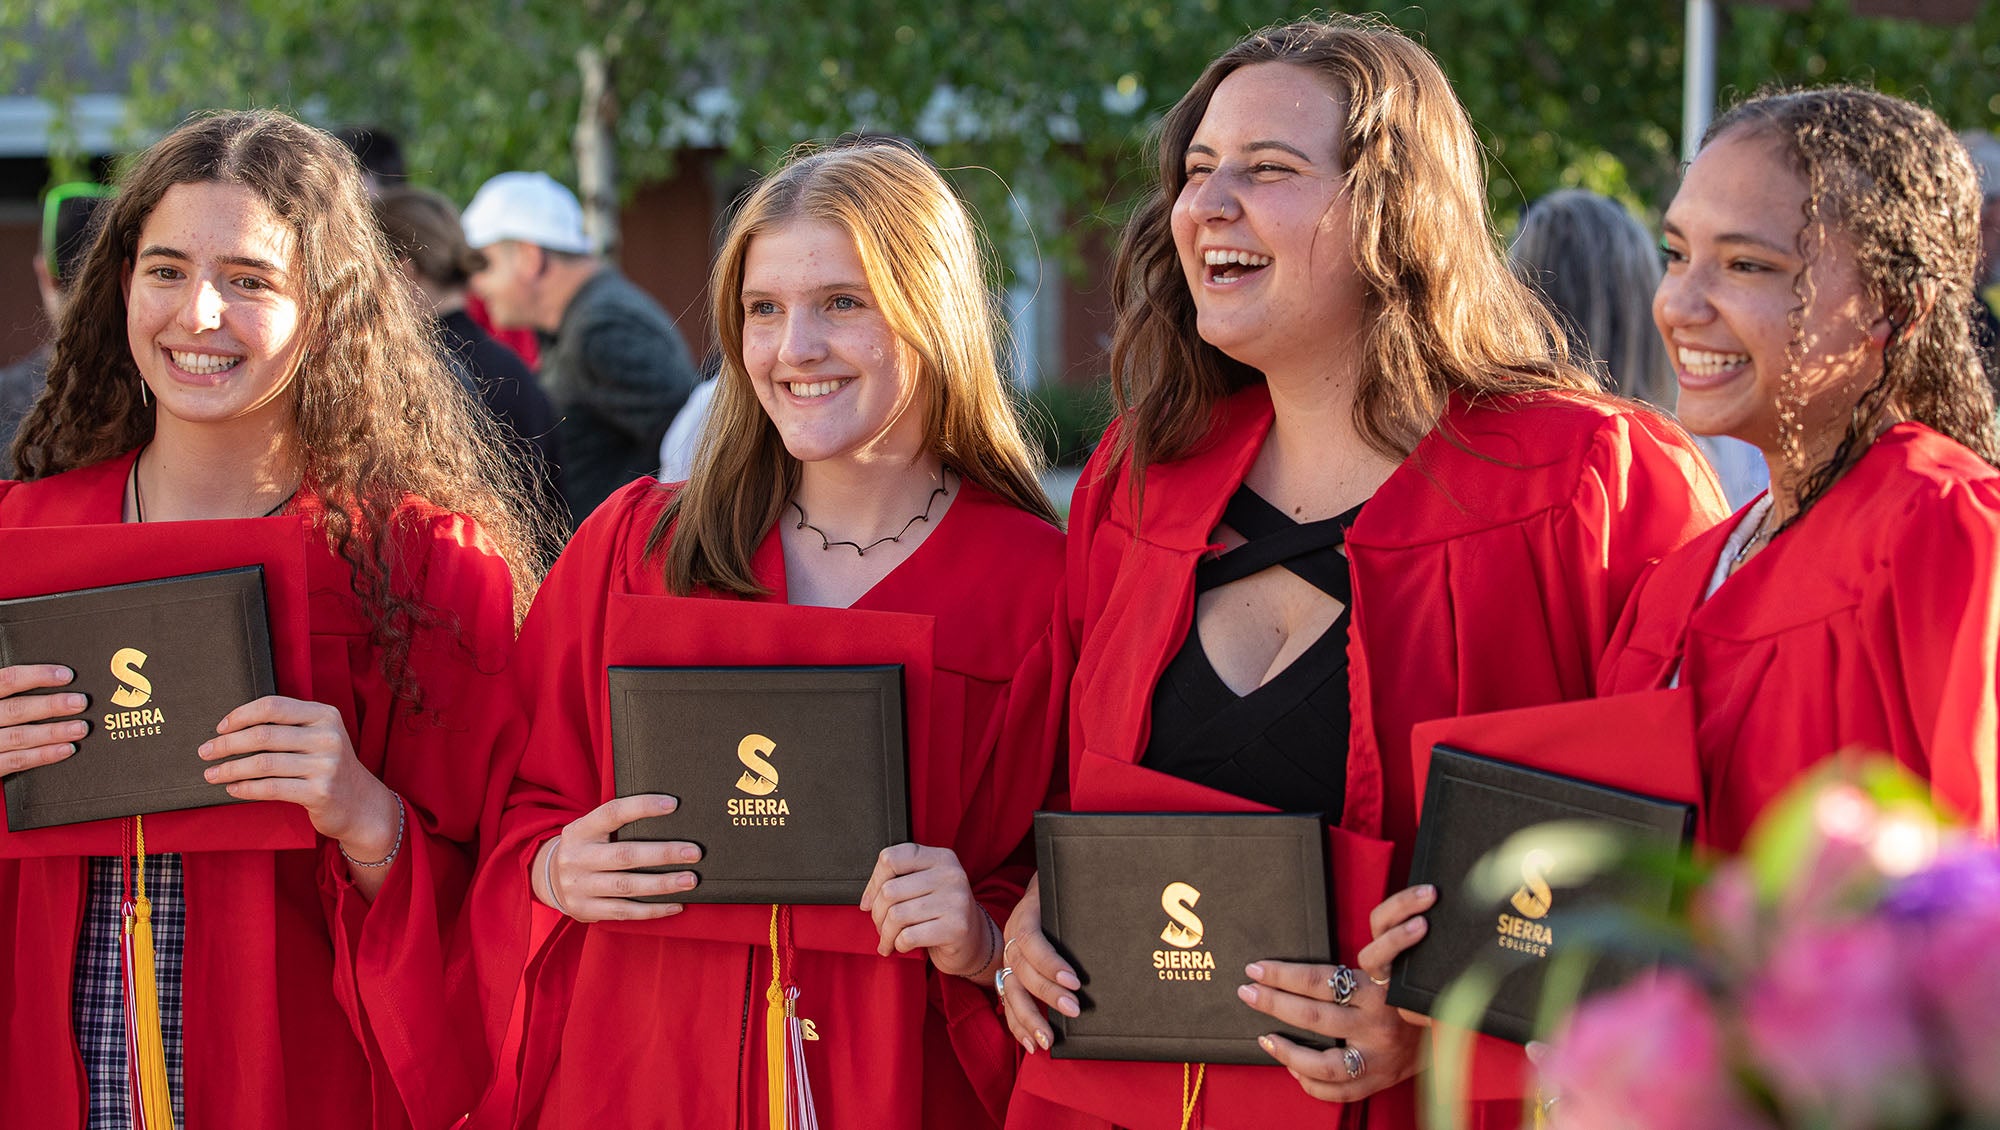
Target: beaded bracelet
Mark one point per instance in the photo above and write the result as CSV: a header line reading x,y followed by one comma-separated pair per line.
x,y
393,848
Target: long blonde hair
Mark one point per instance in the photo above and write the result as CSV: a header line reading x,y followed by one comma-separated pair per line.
x,y
927,269
1445,315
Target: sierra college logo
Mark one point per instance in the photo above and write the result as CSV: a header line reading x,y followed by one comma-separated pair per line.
x,y
1527,933
760,780
134,691
1187,961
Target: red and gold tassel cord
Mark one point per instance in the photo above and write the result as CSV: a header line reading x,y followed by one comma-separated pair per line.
x,y
1191,1092
790,1089
152,1101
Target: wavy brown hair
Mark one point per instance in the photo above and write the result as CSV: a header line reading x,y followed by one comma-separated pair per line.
x,y
378,415
928,271
1444,313
1894,179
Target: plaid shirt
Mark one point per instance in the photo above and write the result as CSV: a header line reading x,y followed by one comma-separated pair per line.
x,y
98,993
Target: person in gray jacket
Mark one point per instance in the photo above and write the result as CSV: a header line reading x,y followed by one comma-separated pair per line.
x,y
613,362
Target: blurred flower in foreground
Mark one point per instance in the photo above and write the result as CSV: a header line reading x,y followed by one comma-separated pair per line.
x,y
1845,974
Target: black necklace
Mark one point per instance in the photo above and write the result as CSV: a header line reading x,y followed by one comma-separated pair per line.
x,y
139,500
826,543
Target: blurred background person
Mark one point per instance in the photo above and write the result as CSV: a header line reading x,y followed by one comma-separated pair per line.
x,y
65,224
380,155
1597,267
427,243
614,366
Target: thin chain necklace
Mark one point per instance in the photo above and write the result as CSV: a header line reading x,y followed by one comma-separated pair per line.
x,y
1757,537
826,543
139,499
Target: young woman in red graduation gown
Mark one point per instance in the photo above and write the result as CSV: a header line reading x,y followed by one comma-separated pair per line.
x,y
1819,272
1314,320
862,456
239,345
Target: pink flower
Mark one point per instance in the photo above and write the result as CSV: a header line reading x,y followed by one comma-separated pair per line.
x,y
1957,963
1831,1023
1647,1056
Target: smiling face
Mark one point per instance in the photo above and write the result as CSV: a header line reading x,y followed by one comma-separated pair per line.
x,y
1733,280
1262,224
825,364
212,313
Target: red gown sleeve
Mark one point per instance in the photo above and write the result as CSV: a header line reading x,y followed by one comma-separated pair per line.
x,y
543,776
389,955
1940,607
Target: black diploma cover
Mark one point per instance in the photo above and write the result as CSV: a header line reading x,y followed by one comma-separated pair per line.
x,y
791,779
162,662
1523,823
1160,912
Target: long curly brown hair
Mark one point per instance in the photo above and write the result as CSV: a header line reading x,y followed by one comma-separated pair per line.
x,y
1893,178
378,415
1445,314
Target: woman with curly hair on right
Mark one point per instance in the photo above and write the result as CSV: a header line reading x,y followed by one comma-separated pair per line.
x,y
1355,484
1819,278
239,345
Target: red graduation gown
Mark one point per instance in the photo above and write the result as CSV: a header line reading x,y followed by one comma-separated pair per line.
x,y
305,1006
1487,573
1873,622
661,1024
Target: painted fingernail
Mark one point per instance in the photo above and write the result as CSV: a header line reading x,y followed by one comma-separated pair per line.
x,y
1254,969
1068,1007
1068,981
1247,993
1028,1045
1042,1038
1265,1043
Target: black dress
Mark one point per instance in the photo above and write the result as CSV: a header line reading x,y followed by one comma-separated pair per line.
x,y
1285,743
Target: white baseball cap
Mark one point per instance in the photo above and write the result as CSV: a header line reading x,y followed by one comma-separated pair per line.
x,y
531,207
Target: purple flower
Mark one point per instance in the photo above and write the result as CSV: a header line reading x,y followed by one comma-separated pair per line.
x,y
1959,880
1648,1056
1831,1024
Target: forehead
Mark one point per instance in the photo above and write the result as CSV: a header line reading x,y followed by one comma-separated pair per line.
x,y
1741,183
1273,102
209,220
802,254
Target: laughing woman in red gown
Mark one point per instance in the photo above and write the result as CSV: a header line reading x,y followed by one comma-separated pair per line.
x,y
861,456
1819,274
240,345
1354,485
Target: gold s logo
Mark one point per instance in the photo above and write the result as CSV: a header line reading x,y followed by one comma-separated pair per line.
x,y
1184,929
760,777
1534,898
138,690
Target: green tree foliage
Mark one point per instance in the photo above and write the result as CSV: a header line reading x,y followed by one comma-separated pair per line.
x,y
1054,99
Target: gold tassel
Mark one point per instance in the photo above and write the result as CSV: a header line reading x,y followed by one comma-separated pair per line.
x,y
775,1043
154,1102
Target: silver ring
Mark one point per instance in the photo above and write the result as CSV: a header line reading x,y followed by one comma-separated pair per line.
x,y
1343,983
1354,1061
1000,981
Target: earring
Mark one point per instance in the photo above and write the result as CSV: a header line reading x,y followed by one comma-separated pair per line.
x,y
145,394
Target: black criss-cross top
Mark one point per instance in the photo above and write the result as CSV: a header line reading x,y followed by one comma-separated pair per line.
x,y
1285,743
